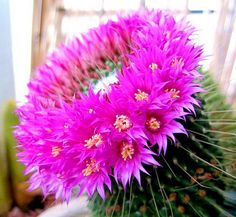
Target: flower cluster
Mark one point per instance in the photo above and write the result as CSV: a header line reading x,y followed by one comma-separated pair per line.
x,y
72,142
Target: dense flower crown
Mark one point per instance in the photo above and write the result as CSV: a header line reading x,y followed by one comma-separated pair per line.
x,y
71,142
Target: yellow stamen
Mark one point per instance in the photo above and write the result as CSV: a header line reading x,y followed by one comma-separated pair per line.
x,y
91,167
122,123
49,130
91,111
59,176
141,95
173,93
153,66
176,61
95,140
56,151
168,34
127,151
153,124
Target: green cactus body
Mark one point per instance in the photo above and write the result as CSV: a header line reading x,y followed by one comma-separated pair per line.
x,y
11,120
16,179
8,165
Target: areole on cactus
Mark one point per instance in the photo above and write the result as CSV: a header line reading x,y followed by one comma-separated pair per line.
x,y
139,146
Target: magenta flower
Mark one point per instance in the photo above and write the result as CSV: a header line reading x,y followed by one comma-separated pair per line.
x,y
142,90
181,94
152,59
161,124
72,142
95,174
128,158
119,116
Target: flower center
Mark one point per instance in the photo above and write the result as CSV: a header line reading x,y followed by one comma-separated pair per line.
x,y
153,124
173,93
91,111
127,151
59,176
141,95
176,61
95,140
91,167
56,151
153,66
122,123
49,130
167,34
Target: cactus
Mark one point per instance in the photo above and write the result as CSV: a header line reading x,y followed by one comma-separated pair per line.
x,y
15,169
155,121
10,121
16,181
5,197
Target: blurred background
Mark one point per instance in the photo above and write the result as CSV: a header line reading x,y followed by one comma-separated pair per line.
x,y
31,29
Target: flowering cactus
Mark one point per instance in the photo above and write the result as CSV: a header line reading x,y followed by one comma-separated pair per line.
x,y
137,145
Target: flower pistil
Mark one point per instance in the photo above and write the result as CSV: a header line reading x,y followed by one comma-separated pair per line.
x,y
153,66
140,95
153,124
95,140
91,167
122,123
127,151
56,151
176,61
173,93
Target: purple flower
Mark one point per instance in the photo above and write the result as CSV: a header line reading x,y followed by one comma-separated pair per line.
x,y
161,124
118,115
73,142
141,90
95,174
128,158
